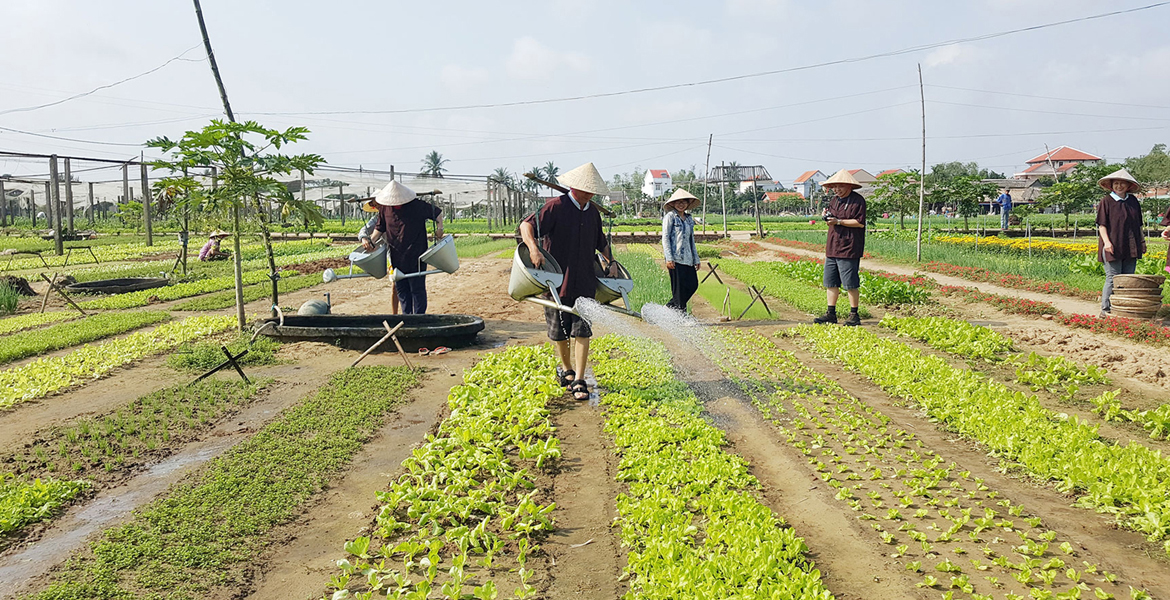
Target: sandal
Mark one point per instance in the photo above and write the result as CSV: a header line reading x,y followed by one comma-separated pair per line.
x,y
423,352
565,377
580,390
441,350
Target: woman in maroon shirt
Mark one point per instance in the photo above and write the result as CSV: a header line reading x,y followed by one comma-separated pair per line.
x,y
1119,223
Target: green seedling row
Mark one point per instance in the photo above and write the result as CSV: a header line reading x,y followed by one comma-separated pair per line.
x,y
65,335
466,515
1156,420
206,532
30,320
1131,482
252,293
937,519
172,292
794,292
952,336
690,518
104,253
477,246
201,356
55,373
651,282
252,261
24,502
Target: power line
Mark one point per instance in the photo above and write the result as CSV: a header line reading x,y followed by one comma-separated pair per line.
x,y
675,86
1046,112
951,87
57,137
99,88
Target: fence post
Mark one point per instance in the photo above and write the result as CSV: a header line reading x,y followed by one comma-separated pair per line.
x,y
91,207
146,206
69,196
125,183
55,191
341,203
3,206
32,206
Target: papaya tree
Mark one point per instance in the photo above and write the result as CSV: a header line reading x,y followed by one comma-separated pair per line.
x,y
239,163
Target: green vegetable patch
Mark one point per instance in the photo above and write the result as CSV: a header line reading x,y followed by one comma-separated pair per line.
x,y
468,513
30,320
64,335
203,356
23,502
689,517
795,292
941,522
173,292
52,374
252,293
204,534
1131,482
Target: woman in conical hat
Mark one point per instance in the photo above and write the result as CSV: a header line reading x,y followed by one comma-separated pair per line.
x,y
1121,241
402,220
571,231
844,245
211,250
678,247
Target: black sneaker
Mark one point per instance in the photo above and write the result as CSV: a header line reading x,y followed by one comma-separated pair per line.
x,y
828,317
853,320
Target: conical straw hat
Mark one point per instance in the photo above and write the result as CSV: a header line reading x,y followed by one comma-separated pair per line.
x,y
219,233
394,194
584,178
369,206
842,176
683,196
1122,174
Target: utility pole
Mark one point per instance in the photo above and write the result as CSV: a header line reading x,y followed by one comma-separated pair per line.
x,y
91,207
756,201
706,176
723,195
922,173
146,206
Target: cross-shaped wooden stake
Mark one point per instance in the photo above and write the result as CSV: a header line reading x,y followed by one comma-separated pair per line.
x,y
711,271
53,287
755,295
231,360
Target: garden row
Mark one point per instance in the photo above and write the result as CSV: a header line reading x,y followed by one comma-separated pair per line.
x,y
939,520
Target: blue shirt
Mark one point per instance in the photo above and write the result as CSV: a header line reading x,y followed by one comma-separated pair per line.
x,y
1005,200
678,239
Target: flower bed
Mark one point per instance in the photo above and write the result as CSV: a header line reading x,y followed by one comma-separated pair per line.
x,y
1009,304
1133,329
1009,281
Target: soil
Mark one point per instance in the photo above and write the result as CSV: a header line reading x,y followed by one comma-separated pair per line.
x,y
316,266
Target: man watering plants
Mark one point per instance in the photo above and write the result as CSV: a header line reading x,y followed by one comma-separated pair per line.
x,y
845,216
371,206
570,230
402,220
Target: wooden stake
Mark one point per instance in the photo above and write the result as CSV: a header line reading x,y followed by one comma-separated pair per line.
x,y
400,351
55,200
60,292
146,207
389,333
922,173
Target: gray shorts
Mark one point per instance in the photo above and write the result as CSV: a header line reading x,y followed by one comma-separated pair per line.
x,y
563,325
842,273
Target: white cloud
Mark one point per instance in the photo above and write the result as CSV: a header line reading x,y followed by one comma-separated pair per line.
x,y
944,56
460,79
759,8
532,60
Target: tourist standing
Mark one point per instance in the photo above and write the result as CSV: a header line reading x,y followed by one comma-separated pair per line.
x,y
844,246
1119,224
1005,207
678,248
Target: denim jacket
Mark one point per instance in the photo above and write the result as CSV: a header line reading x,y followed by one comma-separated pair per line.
x,y
678,239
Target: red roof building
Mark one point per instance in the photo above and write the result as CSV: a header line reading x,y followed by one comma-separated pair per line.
x,y
1057,162
775,196
889,172
660,173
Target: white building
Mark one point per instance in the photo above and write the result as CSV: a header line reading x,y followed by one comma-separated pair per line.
x,y
808,182
763,184
657,183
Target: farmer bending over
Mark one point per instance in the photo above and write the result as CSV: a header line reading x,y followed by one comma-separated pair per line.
x,y
571,231
210,250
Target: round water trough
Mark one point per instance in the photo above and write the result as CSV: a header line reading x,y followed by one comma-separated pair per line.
x,y
117,286
359,332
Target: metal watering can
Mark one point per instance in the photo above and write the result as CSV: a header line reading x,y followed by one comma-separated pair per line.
x,y
527,283
442,255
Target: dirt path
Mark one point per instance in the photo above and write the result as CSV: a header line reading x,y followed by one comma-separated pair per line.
x,y
1068,305
585,492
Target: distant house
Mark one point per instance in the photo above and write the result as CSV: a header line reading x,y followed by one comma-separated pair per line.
x,y
1060,161
764,184
778,196
808,182
657,183
1022,191
862,176
889,172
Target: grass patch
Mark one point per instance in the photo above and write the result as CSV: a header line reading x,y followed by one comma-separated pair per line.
x,y
252,293
203,356
714,292
205,532
9,299
30,320
651,282
793,292
477,246
64,335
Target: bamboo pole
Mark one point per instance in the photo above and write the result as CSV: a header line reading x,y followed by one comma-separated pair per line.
x,y
146,207
91,206
922,173
69,196
56,202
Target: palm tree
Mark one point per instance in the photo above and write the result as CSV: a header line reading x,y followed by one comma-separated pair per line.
x,y
433,164
501,175
550,172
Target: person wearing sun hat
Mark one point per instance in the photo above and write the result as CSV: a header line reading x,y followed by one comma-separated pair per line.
x,y
369,205
210,250
678,248
571,231
402,220
844,246
1119,224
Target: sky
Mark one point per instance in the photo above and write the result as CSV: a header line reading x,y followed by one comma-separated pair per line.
x,y
400,79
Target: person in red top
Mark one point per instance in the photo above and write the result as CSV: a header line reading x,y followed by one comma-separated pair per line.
x,y
1119,223
571,231
844,246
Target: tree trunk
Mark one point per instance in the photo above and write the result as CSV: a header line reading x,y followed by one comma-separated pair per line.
x,y
966,224
263,214
239,268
